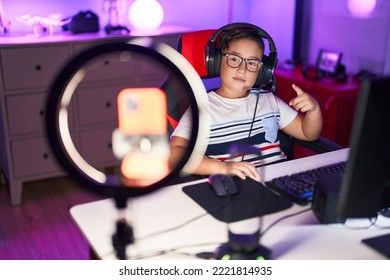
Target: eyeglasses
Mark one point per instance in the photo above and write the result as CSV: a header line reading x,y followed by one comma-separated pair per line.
x,y
234,61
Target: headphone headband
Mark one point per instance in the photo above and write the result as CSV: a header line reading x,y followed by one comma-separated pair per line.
x,y
214,54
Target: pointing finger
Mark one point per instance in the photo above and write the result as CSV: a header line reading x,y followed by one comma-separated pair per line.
x,y
297,89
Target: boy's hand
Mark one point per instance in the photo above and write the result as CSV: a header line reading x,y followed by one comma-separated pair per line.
x,y
241,169
303,102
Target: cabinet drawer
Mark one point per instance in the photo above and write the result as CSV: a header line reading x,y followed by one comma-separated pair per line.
x,y
96,146
98,105
26,113
109,66
152,68
32,67
32,157
170,39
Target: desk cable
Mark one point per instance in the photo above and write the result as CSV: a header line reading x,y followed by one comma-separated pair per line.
x,y
204,255
183,224
282,219
372,221
209,255
161,252
384,213
257,93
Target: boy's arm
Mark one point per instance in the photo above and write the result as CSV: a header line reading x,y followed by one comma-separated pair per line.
x,y
209,166
307,126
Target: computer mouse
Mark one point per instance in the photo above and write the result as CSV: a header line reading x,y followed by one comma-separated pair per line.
x,y
222,185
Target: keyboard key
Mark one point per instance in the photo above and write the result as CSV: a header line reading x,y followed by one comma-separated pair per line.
x,y
299,187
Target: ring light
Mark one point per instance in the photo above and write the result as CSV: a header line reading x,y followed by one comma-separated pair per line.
x,y
67,82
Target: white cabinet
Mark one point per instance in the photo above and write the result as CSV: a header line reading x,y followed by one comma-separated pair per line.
x,y
32,157
25,112
32,67
28,67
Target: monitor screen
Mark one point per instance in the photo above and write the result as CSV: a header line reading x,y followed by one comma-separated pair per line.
x,y
328,61
365,187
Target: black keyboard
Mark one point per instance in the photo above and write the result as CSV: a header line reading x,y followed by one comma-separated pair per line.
x,y
299,187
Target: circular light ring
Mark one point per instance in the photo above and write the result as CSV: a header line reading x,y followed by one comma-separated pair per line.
x,y
56,118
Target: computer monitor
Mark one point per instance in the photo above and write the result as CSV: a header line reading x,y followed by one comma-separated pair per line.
x,y
365,188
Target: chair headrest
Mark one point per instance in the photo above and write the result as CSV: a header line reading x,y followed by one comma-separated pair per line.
x,y
192,46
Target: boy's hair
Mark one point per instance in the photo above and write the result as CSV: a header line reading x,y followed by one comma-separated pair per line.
x,y
241,33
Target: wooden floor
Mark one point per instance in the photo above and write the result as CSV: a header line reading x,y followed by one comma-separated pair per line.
x,y
42,228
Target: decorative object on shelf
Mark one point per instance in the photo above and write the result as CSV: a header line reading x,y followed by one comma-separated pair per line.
x,y
361,8
4,22
328,61
328,64
115,10
82,22
43,24
146,14
311,72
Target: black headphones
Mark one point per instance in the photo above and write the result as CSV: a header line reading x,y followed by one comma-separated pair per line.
x,y
214,55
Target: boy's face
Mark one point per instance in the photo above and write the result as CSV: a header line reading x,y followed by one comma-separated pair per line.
x,y
237,81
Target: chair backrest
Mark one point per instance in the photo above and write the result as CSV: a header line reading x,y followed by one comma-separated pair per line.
x,y
193,47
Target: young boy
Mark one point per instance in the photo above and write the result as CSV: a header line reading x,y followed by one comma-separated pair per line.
x,y
243,118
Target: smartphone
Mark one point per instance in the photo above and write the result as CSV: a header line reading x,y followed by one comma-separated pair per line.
x,y
141,139
142,111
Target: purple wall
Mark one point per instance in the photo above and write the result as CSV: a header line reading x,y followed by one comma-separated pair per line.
x,y
365,42
185,12
199,14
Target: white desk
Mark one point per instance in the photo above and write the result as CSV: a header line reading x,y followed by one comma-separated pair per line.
x,y
298,237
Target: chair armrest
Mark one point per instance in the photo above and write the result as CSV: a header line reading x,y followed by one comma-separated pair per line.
x,y
321,145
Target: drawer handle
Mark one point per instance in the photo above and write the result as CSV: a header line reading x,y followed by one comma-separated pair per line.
x,y
38,67
108,104
41,112
106,62
45,155
109,145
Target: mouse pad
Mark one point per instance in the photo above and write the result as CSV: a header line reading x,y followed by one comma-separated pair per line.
x,y
380,243
252,200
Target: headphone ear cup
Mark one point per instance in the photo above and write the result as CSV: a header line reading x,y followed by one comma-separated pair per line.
x,y
213,60
259,79
265,76
218,61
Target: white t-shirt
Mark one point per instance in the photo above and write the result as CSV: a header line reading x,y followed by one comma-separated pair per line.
x,y
233,122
